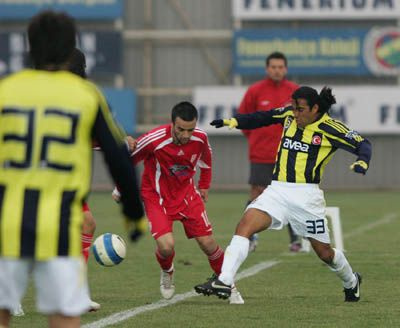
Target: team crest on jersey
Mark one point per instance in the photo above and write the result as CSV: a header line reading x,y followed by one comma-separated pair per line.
x,y
316,140
354,135
179,170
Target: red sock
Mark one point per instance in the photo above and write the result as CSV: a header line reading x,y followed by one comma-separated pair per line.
x,y
165,263
216,259
86,243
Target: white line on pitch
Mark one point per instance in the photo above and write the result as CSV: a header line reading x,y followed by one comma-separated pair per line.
x,y
388,218
127,314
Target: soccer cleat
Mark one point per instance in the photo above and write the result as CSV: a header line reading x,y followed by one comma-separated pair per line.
x,y
94,306
213,286
235,297
253,242
18,311
167,287
353,294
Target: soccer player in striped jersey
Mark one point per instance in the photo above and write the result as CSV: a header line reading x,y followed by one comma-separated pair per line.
x,y
48,119
171,153
310,138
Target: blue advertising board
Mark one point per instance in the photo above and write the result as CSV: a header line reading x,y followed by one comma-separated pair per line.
x,y
103,51
79,9
309,51
123,106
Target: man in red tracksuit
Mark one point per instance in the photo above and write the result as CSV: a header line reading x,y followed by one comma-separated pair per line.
x,y
272,92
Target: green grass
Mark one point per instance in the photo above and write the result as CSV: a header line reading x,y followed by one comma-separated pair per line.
x,y
298,292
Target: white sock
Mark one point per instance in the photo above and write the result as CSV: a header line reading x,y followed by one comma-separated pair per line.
x,y
235,254
343,270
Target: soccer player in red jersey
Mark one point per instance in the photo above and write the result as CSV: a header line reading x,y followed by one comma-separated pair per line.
x,y
171,153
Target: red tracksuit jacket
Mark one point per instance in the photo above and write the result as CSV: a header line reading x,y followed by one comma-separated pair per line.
x,y
263,96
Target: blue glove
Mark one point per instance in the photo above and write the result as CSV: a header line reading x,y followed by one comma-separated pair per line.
x,y
359,167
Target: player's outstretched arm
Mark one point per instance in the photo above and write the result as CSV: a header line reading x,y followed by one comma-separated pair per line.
x,y
255,120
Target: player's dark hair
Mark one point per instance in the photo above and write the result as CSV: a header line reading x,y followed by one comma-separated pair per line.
x,y
77,63
51,38
276,55
184,110
324,99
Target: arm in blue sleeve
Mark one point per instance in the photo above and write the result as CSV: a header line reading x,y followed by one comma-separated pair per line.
x,y
364,151
259,119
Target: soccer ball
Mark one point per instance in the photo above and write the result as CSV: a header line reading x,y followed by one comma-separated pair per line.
x,y
109,249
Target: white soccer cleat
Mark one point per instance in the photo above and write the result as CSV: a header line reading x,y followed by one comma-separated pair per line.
x,y
18,311
94,306
235,297
167,287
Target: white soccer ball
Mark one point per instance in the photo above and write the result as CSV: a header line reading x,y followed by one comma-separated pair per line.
x,y
109,249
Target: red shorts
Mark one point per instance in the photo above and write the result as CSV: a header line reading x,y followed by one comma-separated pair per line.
x,y
193,217
85,207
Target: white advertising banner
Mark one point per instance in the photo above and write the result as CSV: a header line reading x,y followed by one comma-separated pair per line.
x,y
316,9
367,109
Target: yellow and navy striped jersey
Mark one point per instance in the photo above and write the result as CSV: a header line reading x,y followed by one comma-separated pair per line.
x,y
47,123
304,152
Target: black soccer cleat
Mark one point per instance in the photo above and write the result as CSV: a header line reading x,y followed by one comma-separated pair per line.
x,y
353,294
213,286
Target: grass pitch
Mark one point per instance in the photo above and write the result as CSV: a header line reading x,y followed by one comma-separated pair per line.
x,y
300,291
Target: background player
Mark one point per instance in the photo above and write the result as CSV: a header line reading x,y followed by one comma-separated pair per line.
x,y
272,92
171,153
45,169
77,65
308,142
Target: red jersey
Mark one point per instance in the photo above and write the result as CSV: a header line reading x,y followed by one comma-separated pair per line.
x,y
263,96
169,168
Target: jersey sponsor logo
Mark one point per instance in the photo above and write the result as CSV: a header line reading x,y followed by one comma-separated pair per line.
x,y
264,103
295,145
316,140
181,153
179,170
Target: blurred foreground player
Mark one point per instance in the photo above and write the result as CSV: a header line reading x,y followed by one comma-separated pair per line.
x,y
48,119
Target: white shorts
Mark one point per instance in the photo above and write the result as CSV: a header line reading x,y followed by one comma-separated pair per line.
x,y
300,204
61,284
